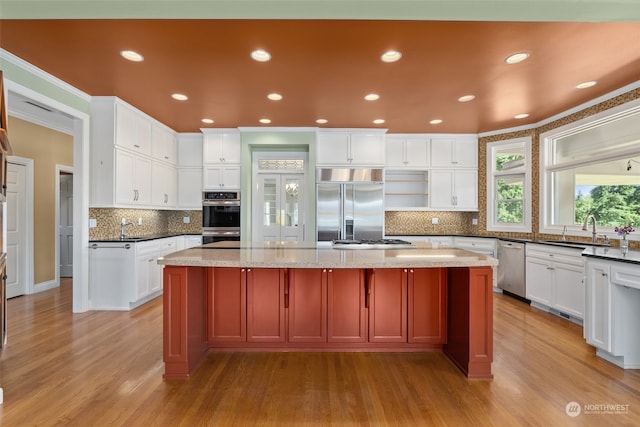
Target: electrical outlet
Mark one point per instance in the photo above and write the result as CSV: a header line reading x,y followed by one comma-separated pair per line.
x,y
434,221
186,219
474,221
93,223
139,221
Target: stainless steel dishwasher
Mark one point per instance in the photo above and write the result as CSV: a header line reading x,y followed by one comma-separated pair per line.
x,y
511,258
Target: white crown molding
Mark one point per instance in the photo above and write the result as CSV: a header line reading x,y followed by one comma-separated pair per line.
x,y
576,109
21,63
276,129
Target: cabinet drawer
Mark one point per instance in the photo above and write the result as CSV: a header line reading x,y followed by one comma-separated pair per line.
x,y
625,276
555,254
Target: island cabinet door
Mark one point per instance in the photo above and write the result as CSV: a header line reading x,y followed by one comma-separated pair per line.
x,y
227,309
265,305
306,301
387,302
427,289
347,314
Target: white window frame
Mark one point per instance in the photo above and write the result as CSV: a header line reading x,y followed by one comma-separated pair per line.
x,y
493,175
547,167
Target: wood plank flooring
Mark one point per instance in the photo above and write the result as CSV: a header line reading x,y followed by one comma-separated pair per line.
x,y
105,369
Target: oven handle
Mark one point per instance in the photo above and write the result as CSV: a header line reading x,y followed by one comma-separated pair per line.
x,y
221,203
220,233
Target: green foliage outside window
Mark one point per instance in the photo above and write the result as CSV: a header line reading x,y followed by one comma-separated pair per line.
x,y
612,205
510,193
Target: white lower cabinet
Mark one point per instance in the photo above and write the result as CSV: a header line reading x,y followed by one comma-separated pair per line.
x,y
555,279
597,322
124,275
186,242
613,311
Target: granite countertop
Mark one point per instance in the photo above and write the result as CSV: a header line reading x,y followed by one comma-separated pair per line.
x,y
612,254
312,255
134,239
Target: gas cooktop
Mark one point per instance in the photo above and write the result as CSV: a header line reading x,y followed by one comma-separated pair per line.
x,y
370,244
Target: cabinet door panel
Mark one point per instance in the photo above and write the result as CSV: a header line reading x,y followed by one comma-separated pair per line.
x,y
307,305
441,189
388,305
265,305
333,148
465,190
539,279
569,290
428,305
226,292
598,319
367,149
347,320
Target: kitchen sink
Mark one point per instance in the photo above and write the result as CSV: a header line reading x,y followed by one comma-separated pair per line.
x,y
574,243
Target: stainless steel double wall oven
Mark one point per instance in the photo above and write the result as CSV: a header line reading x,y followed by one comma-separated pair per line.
x,y
220,216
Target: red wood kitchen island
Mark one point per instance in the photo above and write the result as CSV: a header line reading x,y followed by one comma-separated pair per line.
x,y
247,296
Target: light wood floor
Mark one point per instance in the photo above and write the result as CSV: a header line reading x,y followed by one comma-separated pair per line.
x,y
105,369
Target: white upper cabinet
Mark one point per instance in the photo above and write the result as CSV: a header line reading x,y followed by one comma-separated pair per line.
x,y
407,151
164,144
347,147
132,179
221,146
132,130
221,177
164,184
454,152
453,190
123,155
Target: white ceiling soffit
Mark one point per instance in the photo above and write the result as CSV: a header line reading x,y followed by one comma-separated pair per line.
x,y
443,10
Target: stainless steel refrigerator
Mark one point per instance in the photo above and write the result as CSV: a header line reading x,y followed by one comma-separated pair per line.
x,y
349,204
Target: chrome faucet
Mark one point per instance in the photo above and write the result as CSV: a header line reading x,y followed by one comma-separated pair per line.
x,y
123,224
594,233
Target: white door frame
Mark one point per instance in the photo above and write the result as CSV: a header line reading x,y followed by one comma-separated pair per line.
x,y
80,135
28,227
67,169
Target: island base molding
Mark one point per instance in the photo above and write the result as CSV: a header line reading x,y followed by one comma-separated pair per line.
x,y
211,309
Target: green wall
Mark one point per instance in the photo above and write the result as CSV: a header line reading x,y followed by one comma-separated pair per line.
x,y
293,140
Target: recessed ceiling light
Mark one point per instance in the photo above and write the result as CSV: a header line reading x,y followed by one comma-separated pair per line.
x,y
274,96
372,97
378,121
179,97
516,57
585,85
391,56
265,121
466,98
521,116
207,121
261,55
435,121
131,55
322,121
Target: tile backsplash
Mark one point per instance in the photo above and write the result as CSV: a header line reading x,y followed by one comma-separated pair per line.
x,y
153,221
409,223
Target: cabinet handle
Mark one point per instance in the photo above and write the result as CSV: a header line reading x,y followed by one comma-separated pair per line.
x,y
136,145
286,289
604,274
369,287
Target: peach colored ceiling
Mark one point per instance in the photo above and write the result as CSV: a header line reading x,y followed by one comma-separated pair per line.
x,y
323,68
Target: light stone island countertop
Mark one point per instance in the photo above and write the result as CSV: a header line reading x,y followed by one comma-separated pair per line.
x,y
322,255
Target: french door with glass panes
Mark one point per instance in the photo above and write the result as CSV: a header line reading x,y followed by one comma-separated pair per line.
x,y
281,207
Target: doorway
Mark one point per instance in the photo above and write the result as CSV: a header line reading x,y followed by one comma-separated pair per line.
x,y
19,189
65,221
278,199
